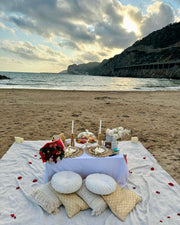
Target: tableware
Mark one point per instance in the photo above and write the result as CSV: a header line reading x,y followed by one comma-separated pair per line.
x,y
99,151
73,151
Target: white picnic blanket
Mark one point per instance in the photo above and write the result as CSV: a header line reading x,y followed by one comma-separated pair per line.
x,y
160,201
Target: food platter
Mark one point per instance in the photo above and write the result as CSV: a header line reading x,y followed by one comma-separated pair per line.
x,y
86,138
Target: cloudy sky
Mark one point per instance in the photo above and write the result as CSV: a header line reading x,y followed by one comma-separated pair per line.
x,y
49,35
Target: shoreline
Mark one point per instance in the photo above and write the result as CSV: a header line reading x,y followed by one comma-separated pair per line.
x,y
176,89
152,116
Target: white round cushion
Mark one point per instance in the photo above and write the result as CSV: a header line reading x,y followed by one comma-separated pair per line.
x,y
66,182
100,184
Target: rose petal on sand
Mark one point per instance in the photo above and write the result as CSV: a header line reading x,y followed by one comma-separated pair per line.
x,y
171,184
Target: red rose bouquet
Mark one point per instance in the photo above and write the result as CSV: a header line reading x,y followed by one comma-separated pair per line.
x,y
52,151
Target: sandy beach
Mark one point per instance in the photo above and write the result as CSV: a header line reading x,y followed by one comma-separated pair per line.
x,y
39,114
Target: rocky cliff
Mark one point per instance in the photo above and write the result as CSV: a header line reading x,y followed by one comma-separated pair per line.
x,y
160,46
87,68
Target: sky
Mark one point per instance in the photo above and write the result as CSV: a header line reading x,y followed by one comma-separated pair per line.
x,y
49,35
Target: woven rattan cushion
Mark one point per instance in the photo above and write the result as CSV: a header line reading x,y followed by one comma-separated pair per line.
x,y
100,184
95,202
122,202
72,203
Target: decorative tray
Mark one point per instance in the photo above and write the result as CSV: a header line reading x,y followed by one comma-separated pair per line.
x,y
72,152
99,151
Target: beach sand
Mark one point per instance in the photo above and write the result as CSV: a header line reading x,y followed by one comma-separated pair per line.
x,y
39,114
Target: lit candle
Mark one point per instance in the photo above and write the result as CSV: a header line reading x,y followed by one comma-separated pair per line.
x,y
100,126
72,126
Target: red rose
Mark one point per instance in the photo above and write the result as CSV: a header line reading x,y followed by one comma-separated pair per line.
x,y
54,152
152,168
19,178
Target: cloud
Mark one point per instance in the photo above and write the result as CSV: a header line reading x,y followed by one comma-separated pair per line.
x,y
77,21
26,50
2,26
177,18
159,15
69,44
81,25
90,57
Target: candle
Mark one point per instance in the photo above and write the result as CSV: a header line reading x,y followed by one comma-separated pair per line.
x,y
72,126
100,126
134,139
18,139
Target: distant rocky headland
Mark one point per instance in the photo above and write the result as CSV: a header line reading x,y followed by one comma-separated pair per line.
x,y
3,77
155,56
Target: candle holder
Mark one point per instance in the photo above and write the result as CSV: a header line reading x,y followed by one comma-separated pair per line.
x,y
99,140
72,140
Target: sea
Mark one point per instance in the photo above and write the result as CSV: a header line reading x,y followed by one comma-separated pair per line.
x,y
55,81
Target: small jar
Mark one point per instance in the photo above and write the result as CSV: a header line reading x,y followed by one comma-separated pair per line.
x,y
114,143
109,138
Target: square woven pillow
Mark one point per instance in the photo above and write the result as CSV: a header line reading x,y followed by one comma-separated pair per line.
x,y
122,202
42,196
95,202
72,203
